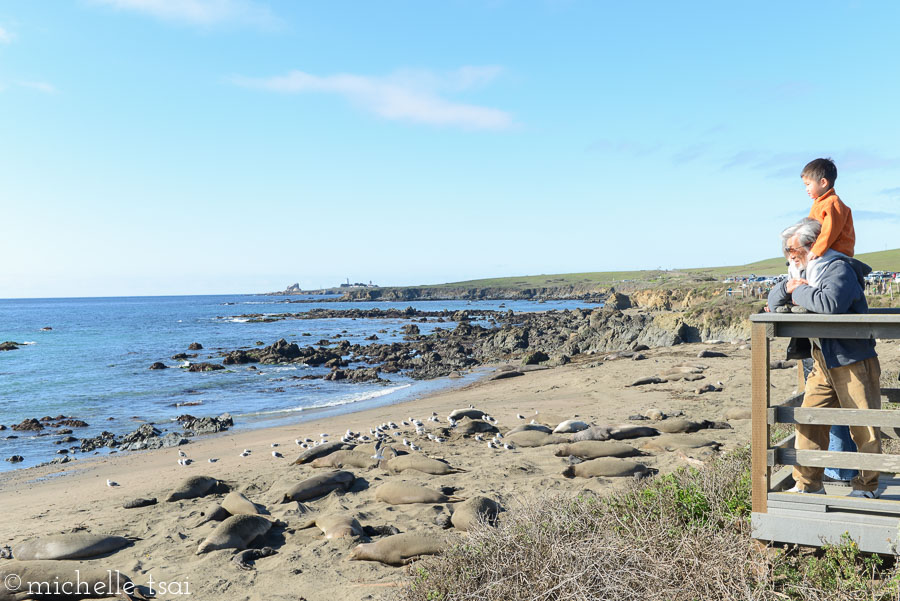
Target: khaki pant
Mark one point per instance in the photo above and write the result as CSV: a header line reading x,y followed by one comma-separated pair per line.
x,y
854,386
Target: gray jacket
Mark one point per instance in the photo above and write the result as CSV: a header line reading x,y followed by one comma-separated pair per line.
x,y
841,289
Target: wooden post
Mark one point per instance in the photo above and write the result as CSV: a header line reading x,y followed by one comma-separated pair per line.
x,y
760,472
801,377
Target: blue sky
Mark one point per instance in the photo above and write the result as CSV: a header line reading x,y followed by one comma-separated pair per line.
x,y
218,146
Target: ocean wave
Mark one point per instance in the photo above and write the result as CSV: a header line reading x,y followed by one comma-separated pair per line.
x,y
354,398
28,342
237,320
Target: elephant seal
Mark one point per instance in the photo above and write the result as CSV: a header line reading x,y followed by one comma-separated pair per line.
x,y
135,503
399,549
401,493
237,504
592,449
677,426
96,581
236,532
420,463
318,486
193,487
351,458
244,559
532,438
570,426
648,380
213,512
592,433
466,426
320,451
335,525
472,511
530,428
77,545
610,467
627,432
458,414
673,442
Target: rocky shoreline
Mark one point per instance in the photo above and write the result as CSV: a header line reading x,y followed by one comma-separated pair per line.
x,y
475,338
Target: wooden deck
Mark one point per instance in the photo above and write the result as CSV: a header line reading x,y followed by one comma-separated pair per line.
x,y
809,519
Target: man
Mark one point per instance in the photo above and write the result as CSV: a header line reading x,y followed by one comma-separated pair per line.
x,y
845,372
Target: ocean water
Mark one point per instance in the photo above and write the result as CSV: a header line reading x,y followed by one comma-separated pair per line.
x,y
94,363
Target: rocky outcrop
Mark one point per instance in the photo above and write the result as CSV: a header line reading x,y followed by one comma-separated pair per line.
x,y
205,425
9,346
28,425
196,367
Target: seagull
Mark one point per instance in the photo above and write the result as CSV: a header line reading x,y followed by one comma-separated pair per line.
x,y
247,451
245,454
277,455
111,483
307,440
434,414
491,444
414,447
212,459
324,434
378,456
430,436
438,439
498,435
182,454
406,442
508,446
533,422
299,442
405,423
520,416
479,438
274,444
303,445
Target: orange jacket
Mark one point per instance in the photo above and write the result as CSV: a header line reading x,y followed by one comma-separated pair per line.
x,y
837,225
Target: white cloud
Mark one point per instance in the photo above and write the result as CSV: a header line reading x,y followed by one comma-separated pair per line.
x,y
403,96
40,86
199,12
5,36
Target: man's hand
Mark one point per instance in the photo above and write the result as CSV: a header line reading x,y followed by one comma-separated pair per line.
x,y
791,285
811,256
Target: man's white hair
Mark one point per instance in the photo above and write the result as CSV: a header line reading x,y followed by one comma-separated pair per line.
x,y
806,230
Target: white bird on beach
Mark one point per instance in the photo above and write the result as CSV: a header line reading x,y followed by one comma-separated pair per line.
x,y
508,446
247,451
299,442
182,454
520,416
414,447
479,438
491,444
438,439
378,456
274,444
245,454
277,455
324,435
405,423
111,483
212,459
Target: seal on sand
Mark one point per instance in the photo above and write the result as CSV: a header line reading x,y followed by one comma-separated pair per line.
x,y
399,549
244,559
420,463
472,511
318,486
592,449
320,451
237,504
570,426
400,493
611,467
533,438
351,458
77,545
335,525
193,487
236,532
37,575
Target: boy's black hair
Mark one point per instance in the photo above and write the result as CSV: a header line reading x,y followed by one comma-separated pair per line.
x,y
820,168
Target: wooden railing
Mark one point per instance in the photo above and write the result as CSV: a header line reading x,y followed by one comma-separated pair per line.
x,y
878,323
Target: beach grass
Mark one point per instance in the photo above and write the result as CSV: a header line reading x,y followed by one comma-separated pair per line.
x,y
886,260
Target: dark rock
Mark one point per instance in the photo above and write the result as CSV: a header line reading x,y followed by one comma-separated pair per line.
x,y
182,356
195,346
535,358
9,346
640,347
372,337
72,423
15,459
410,330
239,358
28,425
159,365
196,367
205,425
104,439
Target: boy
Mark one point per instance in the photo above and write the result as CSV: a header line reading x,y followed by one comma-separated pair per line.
x,y
835,217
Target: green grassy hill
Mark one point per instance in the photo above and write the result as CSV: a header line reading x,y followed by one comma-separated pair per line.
x,y
886,260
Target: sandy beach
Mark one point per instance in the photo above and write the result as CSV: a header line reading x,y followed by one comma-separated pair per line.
x,y
75,497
